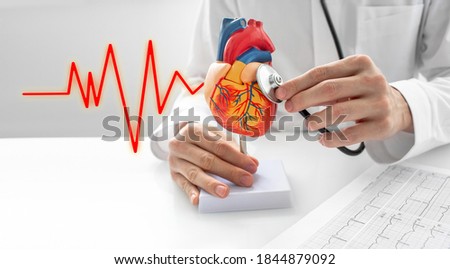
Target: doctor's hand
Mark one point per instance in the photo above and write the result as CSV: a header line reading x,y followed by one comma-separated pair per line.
x,y
196,151
353,89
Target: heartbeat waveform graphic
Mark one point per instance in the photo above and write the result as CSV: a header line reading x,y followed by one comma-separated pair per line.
x,y
90,88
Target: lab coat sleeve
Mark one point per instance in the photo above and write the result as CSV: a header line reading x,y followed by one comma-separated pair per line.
x,y
428,100
203,53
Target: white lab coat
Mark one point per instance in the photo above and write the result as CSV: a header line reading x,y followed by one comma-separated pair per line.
x,y
409,40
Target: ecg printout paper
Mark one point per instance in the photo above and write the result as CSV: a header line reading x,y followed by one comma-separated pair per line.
x,y
399,206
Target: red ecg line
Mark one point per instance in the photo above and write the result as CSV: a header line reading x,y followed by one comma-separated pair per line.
x,y
90,88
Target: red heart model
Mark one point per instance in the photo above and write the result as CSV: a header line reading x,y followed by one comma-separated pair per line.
x,y
231,90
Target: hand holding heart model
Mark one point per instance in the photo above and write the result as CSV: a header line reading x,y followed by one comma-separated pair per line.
x,y
231,90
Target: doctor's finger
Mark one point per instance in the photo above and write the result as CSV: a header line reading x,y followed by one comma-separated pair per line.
x,y
219,147
198,177
211,163
358,133
343,68
353,110
191,191
326,92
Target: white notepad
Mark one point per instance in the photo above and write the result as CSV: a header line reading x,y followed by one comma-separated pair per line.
x,y
270,190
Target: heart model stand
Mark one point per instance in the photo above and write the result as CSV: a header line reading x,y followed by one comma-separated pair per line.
x,y
239,106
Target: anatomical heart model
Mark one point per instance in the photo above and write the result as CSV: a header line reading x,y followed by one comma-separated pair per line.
x,y
237,103
231,89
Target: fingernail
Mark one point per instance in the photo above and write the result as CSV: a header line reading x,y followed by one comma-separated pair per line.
x,y
321,139
193,196
221,191
288,106
251,168
312,126
280,93
246,180
254,160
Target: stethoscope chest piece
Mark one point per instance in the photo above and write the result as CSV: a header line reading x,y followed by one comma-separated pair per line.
x,y
268,80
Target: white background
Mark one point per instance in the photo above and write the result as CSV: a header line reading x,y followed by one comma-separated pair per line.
x,y
40,39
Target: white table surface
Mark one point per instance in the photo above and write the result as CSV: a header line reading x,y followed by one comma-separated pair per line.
x,y
85,193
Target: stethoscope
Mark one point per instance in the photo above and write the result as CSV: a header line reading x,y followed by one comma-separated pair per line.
x,y
269,80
